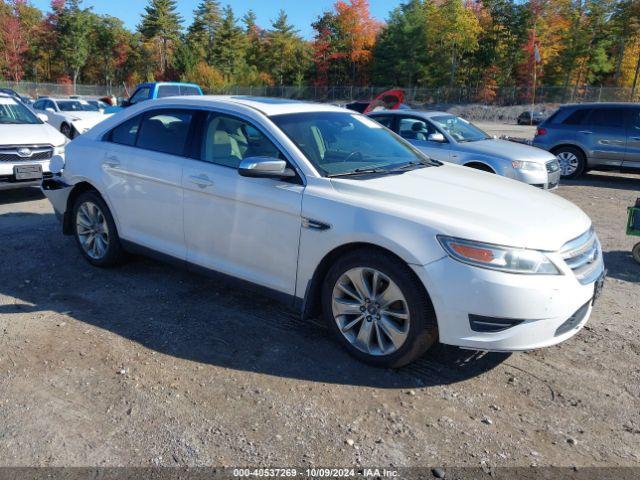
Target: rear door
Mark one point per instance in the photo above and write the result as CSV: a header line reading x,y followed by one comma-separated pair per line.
x,y
153,216
632,155
604,134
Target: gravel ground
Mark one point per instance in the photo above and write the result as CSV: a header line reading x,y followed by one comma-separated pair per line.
x,y
149,365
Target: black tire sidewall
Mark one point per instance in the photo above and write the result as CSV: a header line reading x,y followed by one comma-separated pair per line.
x,y
582,163
636,252
114,249
423,324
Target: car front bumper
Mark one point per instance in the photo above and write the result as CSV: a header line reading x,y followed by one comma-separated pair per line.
x,y
537,310
57,192
8,179
540,179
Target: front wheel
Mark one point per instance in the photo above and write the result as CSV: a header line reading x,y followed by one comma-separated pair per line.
x,y
95,230
572,162
636,252
378,309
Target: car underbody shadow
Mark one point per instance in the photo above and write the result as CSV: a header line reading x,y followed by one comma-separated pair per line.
x,y
188,316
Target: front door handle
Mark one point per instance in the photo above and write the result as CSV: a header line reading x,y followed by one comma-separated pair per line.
x,y
635,139
586,132
201,180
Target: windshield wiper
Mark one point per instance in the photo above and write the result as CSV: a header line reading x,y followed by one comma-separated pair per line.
x,y
414,163
360,171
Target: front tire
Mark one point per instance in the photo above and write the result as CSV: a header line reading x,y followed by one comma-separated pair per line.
x,y
67,131
572,162
636,252
95,231
378,309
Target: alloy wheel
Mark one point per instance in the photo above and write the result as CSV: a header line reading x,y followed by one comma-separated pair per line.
x,y
569,163
371,311
92,230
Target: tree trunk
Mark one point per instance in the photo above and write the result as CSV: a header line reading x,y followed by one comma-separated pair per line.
x,y
635,79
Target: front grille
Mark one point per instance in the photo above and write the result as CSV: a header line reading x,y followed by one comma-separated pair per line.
x,y
553,166
583,255
26,153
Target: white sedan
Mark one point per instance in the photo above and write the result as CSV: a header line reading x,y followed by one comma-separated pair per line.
x,y
72,117
334,214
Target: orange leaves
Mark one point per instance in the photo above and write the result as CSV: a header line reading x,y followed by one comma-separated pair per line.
x,y
359,27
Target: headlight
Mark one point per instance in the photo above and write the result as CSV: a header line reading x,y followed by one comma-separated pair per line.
x,y
530,166
497,257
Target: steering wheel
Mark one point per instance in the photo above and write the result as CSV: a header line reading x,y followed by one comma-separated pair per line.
x,y
352,156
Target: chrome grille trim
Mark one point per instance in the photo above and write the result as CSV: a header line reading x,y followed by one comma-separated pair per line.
x,y
38,153
583,255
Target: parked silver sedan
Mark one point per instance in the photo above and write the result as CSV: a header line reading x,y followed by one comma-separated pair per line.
x,y
448,138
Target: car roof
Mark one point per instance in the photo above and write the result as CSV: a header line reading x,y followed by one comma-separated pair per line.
x,y
420,113
601,104
268,106
181,84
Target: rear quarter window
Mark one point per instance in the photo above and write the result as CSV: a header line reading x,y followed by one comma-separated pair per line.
x,y
577,117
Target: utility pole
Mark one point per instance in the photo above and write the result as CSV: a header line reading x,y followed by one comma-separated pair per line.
x,y
635,80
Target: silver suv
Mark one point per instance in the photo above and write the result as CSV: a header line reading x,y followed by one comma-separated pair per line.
x,y
601,136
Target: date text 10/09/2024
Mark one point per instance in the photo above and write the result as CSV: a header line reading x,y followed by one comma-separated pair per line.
x,y
315,472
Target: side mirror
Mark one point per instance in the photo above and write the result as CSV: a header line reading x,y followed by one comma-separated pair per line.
x,y
50,110
264,167
436,137
42,117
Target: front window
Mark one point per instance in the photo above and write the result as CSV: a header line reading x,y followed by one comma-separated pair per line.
x,y
76,106
14,113
460,129
339,143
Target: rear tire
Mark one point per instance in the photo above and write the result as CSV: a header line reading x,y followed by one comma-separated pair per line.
x,y
384,317
95,231
66,130
572,161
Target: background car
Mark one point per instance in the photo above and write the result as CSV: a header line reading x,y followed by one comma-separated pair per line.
x,y
71,117
598,136
329,211
448,138
525,118
27,145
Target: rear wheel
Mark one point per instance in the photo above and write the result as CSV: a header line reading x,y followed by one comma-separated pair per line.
x,y
95,230
572,161
378,309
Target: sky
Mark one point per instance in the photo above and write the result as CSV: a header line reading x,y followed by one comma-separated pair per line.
x,y
301,12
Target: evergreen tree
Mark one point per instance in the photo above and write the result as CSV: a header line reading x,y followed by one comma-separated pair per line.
x,y
73,27
228,51
284,51
202,32
161,25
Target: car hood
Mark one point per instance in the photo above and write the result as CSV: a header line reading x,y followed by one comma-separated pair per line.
x,y
85,116
507,150
35,134
467,203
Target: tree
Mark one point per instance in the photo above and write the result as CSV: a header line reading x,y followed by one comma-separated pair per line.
x,y
161,26
13,40
228,51
284,53
202,32
73,29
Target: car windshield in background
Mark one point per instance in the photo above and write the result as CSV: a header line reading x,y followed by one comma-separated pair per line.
x,y
459,129
341,143
12,112
76,106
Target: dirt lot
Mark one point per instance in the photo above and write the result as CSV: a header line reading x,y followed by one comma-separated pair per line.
x,y
148,365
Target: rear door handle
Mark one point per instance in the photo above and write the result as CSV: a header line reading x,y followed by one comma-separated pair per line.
x,y
201,180
635,139
586,132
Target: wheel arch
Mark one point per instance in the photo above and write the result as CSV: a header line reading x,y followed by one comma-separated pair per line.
x,y
77,190
555,148
480,165
311,304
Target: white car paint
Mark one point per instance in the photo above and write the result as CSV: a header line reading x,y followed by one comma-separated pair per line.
x,y
253,229
33,137
80,120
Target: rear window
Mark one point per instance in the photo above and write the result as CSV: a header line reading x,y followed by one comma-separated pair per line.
x,y
165,131
176,90
577,117
607,117
125,133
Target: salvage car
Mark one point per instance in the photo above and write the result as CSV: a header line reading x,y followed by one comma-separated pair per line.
x,y
448,138
330,212
71,117
27,144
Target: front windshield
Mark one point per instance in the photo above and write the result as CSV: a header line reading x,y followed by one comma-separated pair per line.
x,y
12,112
338,143
76,106
459,129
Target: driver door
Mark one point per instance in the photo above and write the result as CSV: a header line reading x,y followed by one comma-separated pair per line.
x,y
248,228
417,132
